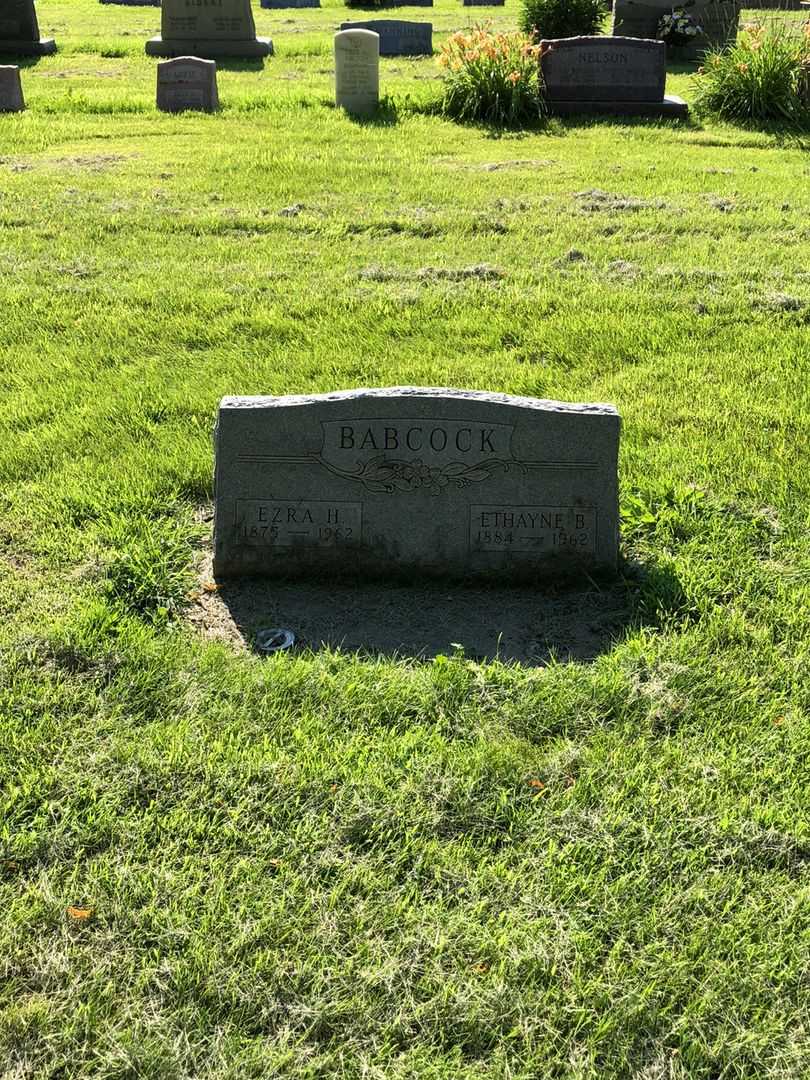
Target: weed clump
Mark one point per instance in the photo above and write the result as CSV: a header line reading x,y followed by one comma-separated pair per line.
x,y
762,78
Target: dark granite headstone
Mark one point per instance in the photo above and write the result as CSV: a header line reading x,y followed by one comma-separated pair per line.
x,y
208,28
275,5
415,481
19,30
11,95
397,36
718,19
622,76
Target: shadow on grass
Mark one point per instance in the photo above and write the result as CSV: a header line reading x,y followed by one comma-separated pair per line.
x,y
424,619
234,63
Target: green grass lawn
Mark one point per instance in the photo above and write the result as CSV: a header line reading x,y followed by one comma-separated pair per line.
x,y
336,865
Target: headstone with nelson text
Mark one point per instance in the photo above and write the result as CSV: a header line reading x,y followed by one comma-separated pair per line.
x,y
619,76
11,95
187,83
19,30
415,481
208,29
397,36
357,71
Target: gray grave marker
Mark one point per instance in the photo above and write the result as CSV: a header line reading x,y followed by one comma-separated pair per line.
x,y
621,76
397,36
19,30
11,95
275,5
357,71
412,480
718,18
187,83
208,28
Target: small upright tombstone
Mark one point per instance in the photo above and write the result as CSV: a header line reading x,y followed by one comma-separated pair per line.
x,y
19,30
398,37
614,75
208,28
414,481
11,95
357,71
187,83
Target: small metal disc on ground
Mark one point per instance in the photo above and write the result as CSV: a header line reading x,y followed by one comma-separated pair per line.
x,y
273,641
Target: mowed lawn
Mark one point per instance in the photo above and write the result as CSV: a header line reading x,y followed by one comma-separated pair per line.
x,y
337,865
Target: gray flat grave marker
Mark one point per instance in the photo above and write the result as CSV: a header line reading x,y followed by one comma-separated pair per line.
x,y
718,18
11,95
208,28
397,36
275,5
19,30
187,83
415,481
619,76
357,71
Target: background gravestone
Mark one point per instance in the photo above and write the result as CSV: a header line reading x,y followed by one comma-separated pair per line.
x,y
397,36
357,71
275,4
621,76
187,83
208,28
483,3
19,30
11,95
718,18
415,481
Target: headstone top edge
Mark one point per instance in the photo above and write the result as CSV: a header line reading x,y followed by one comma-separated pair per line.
x,y
605,40
405,393
358,30
185,59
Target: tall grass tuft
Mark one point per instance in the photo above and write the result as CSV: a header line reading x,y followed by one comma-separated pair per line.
x,y
763,77
494,78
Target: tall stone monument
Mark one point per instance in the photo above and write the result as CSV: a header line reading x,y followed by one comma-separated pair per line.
x,y
357,71
208,29
19,30
415,481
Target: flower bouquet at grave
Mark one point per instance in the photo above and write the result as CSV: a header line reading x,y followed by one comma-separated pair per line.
x,y
678,27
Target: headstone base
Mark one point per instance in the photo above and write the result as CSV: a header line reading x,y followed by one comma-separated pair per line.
x,y
43,47
671,106
208,49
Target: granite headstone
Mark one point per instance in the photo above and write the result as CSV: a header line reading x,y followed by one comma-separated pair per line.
x,y
19,30
718,19
11,95
397,36
209,29
277,4
415,481
357,71
482,3
187,83
621,76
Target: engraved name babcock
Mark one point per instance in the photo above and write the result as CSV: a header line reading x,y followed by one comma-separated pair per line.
x,y
444,440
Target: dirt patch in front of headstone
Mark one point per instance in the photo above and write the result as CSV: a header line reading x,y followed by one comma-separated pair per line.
x,y
419,621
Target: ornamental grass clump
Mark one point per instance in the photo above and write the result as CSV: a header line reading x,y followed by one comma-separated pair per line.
x,y
561,18
763,77
494,78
